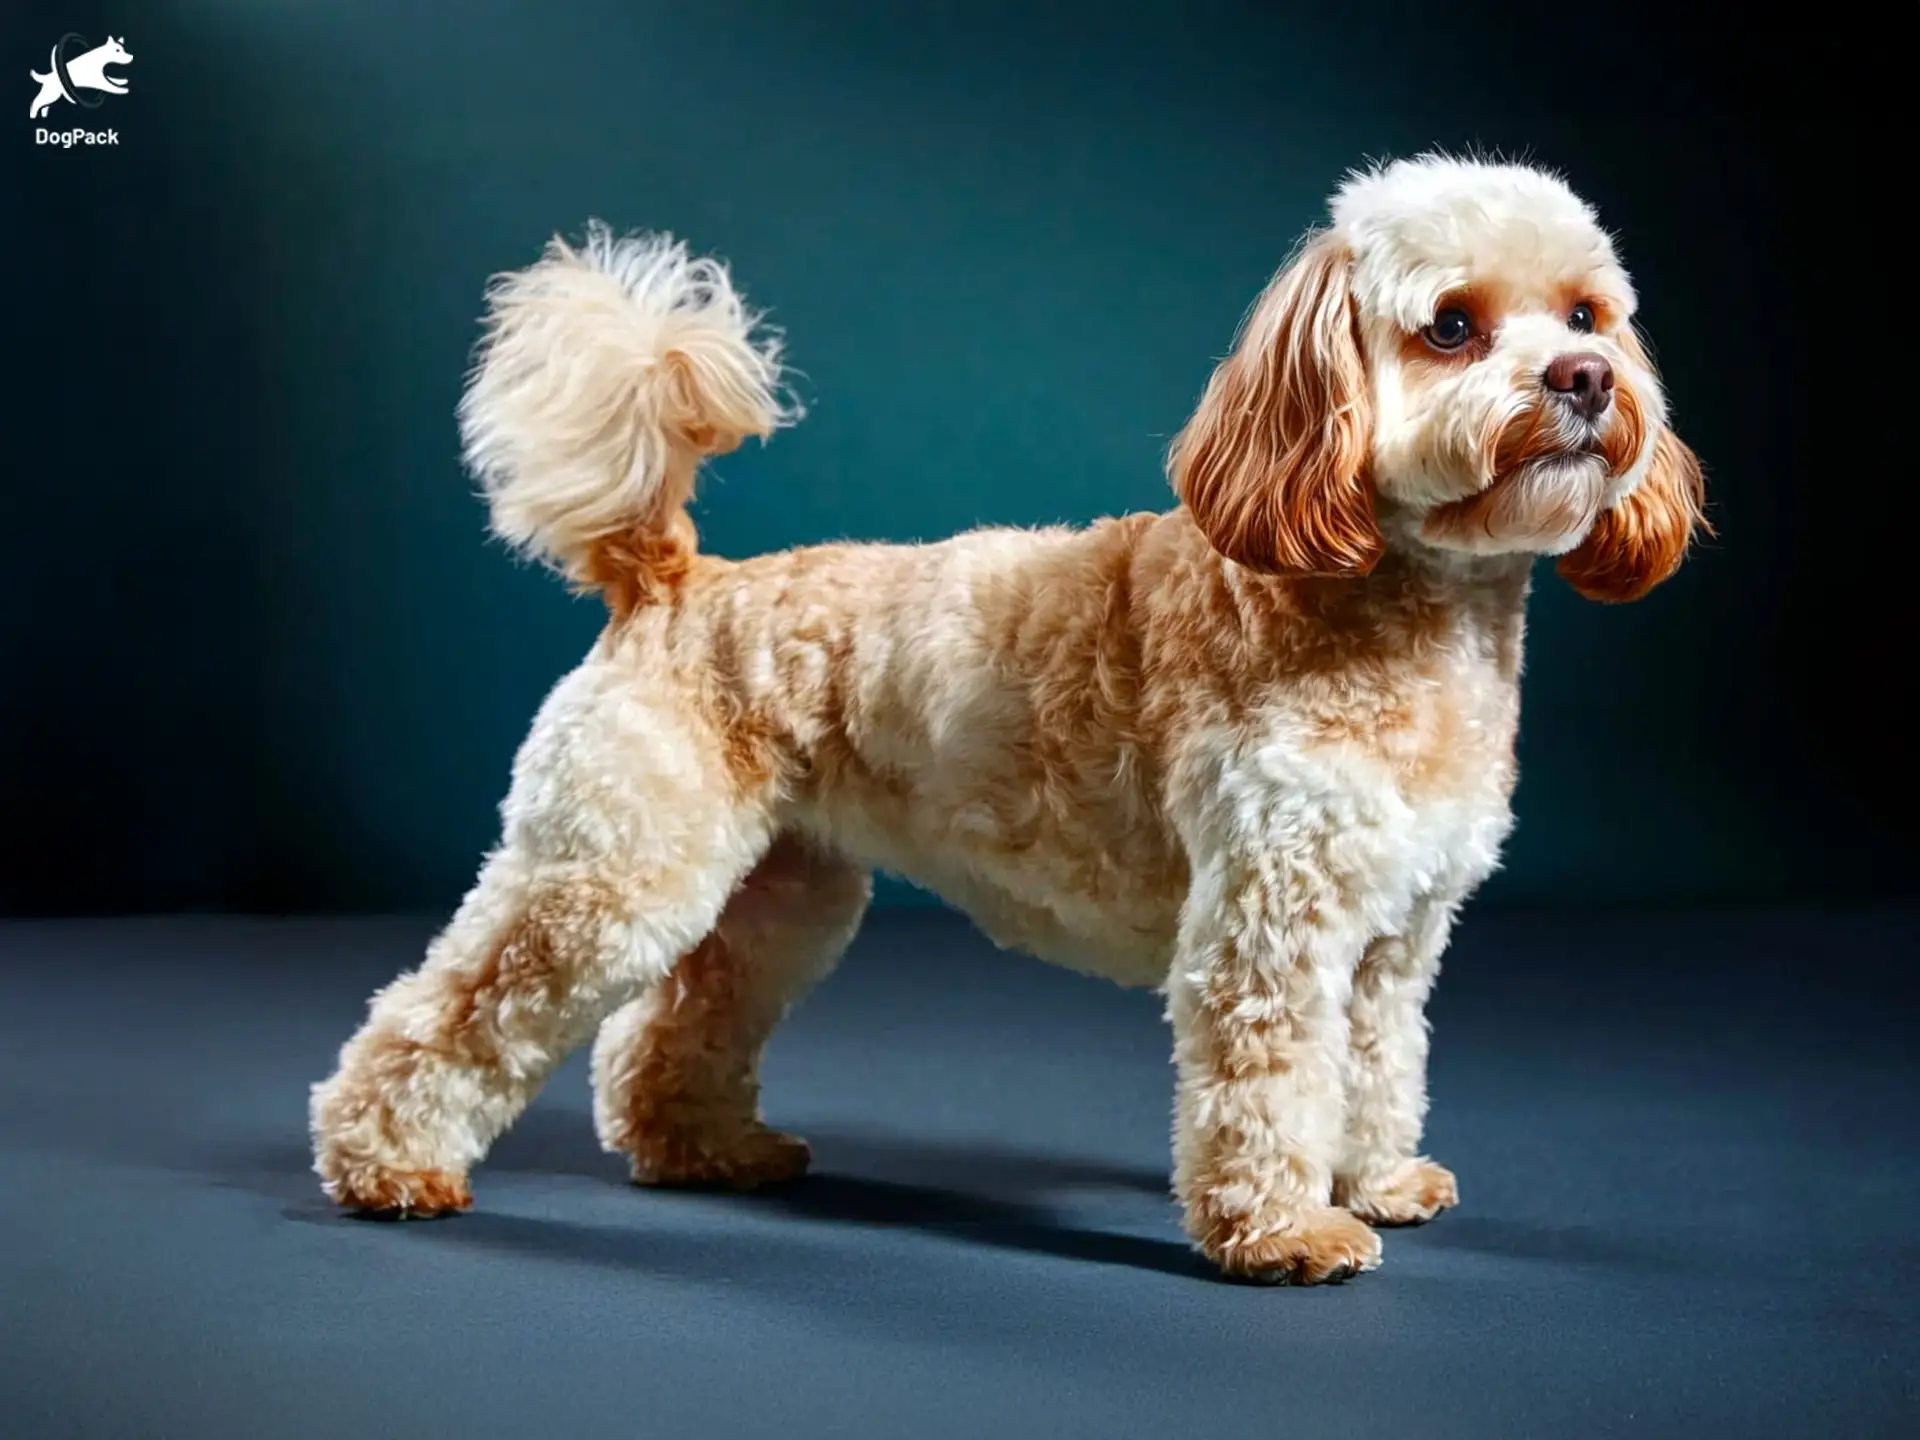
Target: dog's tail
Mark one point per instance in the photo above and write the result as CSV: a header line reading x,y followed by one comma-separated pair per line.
x,y
605,376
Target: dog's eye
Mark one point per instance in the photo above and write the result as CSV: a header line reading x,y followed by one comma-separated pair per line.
x,y
1450,330
1580,319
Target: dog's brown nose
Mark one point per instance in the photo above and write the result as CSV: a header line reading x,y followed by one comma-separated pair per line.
x,y
1585,381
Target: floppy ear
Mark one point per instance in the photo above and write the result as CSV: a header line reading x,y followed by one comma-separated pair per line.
x,y
1273,463
1642,539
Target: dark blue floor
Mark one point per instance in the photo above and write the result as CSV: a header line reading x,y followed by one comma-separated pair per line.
x,y
1687,1148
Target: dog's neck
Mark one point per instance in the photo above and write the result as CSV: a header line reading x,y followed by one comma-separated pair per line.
x,y
1401,526
1485,595
1416,600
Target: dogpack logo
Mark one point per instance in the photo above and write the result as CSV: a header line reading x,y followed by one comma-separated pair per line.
x,y
77,74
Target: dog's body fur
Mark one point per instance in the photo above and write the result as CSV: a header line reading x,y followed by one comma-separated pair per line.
x,y
1255,751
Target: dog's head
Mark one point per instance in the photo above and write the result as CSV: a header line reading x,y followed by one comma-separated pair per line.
x,y
1459,346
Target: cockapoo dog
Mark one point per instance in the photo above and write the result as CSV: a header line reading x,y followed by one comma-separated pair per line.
x,y
1254,751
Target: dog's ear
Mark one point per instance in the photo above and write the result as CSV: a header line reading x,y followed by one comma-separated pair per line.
x,y
1642,538
1273,464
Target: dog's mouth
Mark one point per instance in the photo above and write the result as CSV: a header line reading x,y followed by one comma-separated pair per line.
x,y
1614,438
1542,504
1546,443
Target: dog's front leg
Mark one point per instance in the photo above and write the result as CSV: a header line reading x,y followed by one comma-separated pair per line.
x,y
1381,1176
1257,998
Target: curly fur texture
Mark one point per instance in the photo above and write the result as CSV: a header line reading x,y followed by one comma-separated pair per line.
x,y
1254,751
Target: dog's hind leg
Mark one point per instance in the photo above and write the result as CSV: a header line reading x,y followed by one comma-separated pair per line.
x,y
626,833
676,1072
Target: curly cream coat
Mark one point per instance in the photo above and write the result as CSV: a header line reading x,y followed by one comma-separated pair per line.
x,y
1254,751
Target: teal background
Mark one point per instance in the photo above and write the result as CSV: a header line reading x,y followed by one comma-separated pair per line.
x,y
259,654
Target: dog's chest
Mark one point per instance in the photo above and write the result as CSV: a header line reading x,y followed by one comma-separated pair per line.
x,y
1413,805
1394,795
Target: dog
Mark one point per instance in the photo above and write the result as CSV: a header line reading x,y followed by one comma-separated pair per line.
x,y
88,71
1254,751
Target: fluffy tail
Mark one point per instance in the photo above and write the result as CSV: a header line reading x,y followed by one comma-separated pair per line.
x,y
605,376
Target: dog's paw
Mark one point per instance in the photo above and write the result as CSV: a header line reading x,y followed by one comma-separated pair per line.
x,y
703,1160
1412,1194
1317,1247
400,1194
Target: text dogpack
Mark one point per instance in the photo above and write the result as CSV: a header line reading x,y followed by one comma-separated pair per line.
x,y
67,139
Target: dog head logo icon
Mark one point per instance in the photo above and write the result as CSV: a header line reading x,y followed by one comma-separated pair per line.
x,y
73,70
